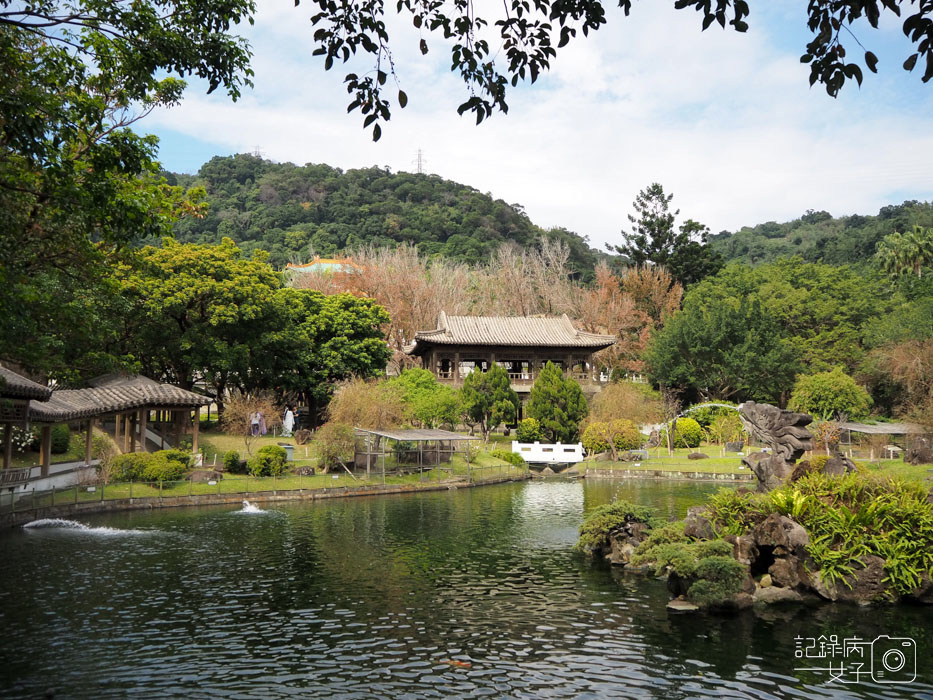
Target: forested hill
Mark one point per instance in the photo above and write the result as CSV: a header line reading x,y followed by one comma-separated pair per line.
x,y
291,210
818,236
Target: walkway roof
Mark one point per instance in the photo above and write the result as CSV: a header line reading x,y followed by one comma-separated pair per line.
x,y
885,428
111,393
16,386
416,435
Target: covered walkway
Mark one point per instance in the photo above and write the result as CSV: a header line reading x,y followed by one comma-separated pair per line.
x,y
135,410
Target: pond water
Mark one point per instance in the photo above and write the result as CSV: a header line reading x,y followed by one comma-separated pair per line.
x,y
468,593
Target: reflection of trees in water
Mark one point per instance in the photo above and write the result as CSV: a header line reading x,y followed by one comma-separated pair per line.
x,y
670,498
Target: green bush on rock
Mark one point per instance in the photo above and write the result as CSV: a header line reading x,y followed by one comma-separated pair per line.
x,y
848,518
601,521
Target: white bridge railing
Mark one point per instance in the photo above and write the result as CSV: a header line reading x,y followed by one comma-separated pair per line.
x,y
537,452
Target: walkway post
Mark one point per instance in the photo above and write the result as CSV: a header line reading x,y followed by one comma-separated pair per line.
x,y
46,450
87,442
194,430
143,427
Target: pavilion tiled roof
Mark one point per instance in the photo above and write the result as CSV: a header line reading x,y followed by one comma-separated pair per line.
x,y
16,386
525,331
113,393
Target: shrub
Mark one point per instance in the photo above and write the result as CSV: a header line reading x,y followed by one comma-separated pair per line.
x,y
712,576
24,440
600,436
510,457
268,461
718,579
232,462
529,430
104,450
594,532
687,433
825,395
817,462
61,438
705,414
129,466
180,456
161,466
336,443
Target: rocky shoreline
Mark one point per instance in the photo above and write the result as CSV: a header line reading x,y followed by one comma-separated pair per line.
x,y
778,567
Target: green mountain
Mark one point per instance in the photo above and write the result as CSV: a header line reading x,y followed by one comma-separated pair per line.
x,y
291,211
818,236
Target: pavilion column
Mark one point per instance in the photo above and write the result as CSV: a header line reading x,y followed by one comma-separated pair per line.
x,y
8,446
194,430
88,441
143,427
45,450
177,418
131,423
457,367
116,428
127,429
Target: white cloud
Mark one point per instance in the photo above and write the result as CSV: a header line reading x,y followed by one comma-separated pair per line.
x,y
726,122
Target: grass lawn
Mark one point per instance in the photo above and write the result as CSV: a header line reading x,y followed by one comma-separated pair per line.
x,y
31,459
732,464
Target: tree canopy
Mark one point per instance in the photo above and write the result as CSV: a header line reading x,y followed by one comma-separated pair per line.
x,y
558,404
488,400
501,48
76,183
293,211
653,239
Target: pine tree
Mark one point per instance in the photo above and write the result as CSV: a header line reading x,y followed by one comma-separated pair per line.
x,y
558,404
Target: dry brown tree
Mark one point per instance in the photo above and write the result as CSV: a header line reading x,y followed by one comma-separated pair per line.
x,y
239,410
371,403
626,400
911,364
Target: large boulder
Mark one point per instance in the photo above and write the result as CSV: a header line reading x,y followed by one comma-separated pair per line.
x,y
735,446
863,585
784,572
697,455
624,540
743,548
697,525
780,531
924,592
774,594
838,466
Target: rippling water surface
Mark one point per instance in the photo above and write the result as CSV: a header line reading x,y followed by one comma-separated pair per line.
x,y
470,593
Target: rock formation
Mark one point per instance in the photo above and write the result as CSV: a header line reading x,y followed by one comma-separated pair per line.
x,y
785,432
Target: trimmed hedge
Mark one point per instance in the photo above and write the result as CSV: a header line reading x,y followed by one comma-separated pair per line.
x,y
510,457
165,465
268,461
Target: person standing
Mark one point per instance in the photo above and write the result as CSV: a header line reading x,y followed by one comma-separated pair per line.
x,y
288,422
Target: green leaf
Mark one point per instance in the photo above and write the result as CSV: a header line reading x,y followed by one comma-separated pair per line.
x,y
377,132
402,99
871,61
911,62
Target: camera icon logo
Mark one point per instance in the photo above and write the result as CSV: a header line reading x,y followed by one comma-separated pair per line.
x,y
893,659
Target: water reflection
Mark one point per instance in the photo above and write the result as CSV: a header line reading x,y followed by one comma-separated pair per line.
x,y
455,594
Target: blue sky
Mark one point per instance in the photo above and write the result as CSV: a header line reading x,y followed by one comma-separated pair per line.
x,y
726,122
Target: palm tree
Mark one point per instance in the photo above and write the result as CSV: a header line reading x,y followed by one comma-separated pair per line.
x,y
906,252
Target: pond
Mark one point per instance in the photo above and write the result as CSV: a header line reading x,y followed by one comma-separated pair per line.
x,y
467,593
